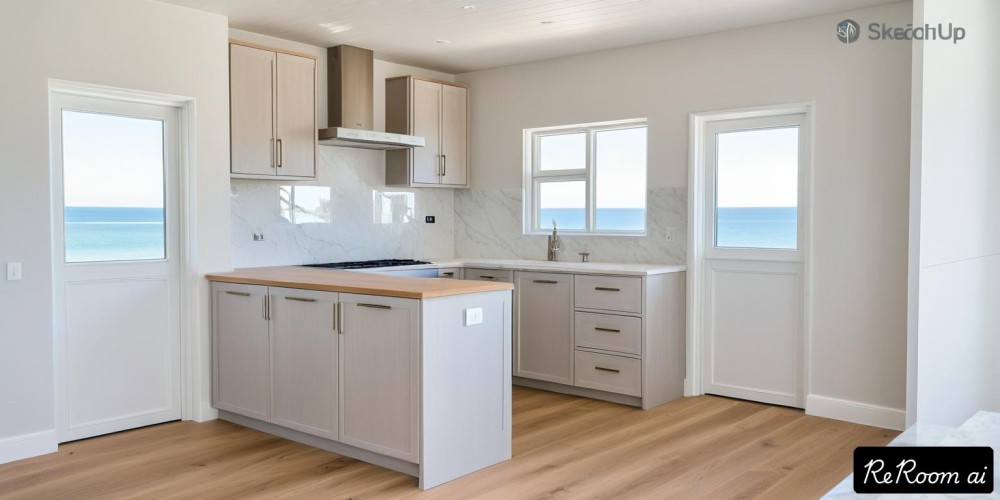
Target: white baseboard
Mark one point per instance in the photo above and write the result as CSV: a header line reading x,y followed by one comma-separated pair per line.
x,y
853,411
28,445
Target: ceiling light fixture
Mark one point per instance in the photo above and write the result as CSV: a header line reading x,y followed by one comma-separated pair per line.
x,y
336,27
442,41
469,8
547,22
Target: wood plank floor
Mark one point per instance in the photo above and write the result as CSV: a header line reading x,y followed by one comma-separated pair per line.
x,y
564,447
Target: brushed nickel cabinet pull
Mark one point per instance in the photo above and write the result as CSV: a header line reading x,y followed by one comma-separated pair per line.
x,y
603,369
336,319
241,294
300,299
545,282
487,277
272,152
607,289
447,274
612,330
338,311
444,165
375,306
267,307
281,153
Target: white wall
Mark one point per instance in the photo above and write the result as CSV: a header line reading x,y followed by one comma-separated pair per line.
x,y
955,318
862,98
355,177
133,44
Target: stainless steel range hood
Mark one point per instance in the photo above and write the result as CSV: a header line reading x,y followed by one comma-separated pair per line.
x,y
350,90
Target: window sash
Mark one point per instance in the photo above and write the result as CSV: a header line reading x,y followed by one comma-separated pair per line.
x,y
588,174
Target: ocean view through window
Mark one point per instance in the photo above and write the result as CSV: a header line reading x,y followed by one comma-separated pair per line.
x,y
587,178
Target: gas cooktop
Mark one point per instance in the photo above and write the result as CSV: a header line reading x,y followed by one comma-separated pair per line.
x,y
366,264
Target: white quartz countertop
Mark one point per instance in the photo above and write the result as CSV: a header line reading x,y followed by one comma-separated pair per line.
x,y
543,265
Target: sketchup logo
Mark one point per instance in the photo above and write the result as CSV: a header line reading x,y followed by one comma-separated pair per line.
x,y
848,31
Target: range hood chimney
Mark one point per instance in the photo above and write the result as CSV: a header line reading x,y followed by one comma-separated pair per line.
x,y
350,82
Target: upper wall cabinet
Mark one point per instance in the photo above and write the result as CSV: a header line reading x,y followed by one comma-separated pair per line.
x,y
438,112
272,106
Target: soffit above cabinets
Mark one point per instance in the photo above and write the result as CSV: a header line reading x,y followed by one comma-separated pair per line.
x,y
480,34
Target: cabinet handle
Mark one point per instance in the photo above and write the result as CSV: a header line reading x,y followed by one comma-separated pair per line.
x,y
603,369
444,165
241,294
545,282
272,152
267,307
447,274
375,306
612,330
607,289
487,277
281,153
300,299
338,317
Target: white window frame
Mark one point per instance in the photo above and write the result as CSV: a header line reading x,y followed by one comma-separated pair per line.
x,y
533,176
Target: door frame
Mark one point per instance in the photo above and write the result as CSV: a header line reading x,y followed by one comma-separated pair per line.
x,y
695,338
193,355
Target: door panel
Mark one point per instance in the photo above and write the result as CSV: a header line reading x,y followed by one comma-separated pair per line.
x,y
242,352
296,115
251,108
305,361
380,375
454,136
427,124
544,337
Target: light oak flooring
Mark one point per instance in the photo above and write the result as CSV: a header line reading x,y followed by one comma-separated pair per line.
x,y
564,447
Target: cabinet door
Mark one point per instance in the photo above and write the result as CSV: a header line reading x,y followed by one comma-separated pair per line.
x,y
241,351
251,110
455,135
543,343
427,124
304,361
379,375
295,97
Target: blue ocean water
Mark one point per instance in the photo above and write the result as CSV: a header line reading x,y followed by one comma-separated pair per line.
x,y
114,233
740,227
757,227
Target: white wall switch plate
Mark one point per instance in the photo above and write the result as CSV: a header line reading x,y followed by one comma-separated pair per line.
x,y
474,316
14,271
670,234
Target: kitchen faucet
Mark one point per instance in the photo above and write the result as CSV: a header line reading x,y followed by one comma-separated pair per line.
x,y
555,244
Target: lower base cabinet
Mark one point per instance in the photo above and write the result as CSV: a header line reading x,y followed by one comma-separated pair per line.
x,y
343,367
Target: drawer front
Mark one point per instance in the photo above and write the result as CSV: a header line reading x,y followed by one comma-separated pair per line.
x,y
610,293
472,273
449,272
609,332
605,372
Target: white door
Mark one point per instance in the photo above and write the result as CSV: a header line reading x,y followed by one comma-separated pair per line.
x,y
115,254
756,197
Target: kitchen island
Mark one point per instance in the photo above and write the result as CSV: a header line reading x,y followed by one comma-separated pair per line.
x,y
413,374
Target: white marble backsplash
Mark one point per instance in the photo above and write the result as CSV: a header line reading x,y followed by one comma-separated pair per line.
x,y
488,224
348,214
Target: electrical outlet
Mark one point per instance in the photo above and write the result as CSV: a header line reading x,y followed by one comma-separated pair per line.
x,y
258,236
670,234
474,316
13,271
429,219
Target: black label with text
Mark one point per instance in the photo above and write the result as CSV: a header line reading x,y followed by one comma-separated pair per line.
x,y
923,469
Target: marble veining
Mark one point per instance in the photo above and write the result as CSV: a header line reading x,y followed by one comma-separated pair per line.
x,y
488,224
360,218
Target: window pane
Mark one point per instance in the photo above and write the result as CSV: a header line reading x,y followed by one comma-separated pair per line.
x,y
621,179
757,188
113,187
562,152
564,202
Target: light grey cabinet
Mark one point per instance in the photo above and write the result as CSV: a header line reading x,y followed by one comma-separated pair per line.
x,y
241,351
543,343
305,354
380,375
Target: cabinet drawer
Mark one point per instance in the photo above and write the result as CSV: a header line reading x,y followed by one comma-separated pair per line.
x,y
449,272
609,332
472,273
611,293
605,372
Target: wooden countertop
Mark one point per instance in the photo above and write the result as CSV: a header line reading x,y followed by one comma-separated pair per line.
x,y
354,282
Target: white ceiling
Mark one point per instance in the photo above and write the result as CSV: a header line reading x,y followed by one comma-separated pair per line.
x,y
501,32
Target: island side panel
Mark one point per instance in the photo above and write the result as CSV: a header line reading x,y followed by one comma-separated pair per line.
x,y
466,386
664,353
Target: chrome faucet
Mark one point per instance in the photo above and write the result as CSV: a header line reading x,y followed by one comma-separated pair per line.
x,y
555,244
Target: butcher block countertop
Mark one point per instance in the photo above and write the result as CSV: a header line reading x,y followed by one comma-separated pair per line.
x,y
353,282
